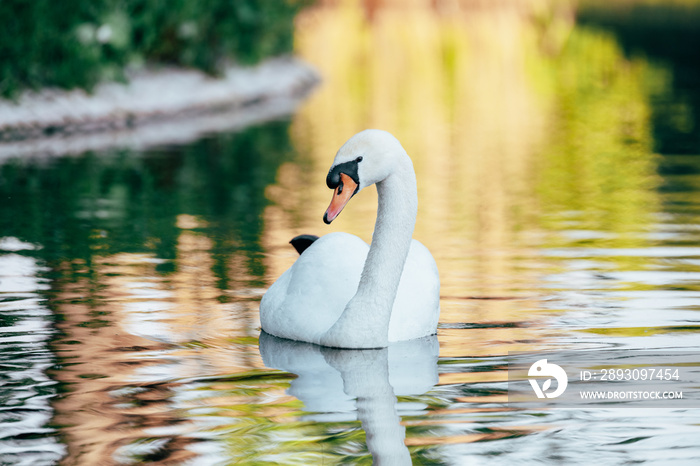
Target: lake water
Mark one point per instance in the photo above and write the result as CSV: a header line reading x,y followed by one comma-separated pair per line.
x,y
559,189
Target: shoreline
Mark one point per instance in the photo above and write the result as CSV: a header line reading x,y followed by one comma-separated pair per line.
x,y
154,107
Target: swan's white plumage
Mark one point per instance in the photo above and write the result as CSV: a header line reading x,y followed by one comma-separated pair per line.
x,y
417,306
342,293
311,295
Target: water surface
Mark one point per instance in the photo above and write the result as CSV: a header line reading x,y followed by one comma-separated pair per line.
x,y
130,279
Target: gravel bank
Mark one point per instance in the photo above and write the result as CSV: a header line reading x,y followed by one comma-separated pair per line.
x,y
154,106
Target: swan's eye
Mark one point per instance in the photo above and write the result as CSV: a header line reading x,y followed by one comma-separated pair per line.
x,y
359,159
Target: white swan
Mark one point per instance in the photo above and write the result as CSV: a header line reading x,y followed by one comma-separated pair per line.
x,y
342,293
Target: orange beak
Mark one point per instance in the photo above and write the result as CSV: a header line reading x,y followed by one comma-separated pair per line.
x,y
341,196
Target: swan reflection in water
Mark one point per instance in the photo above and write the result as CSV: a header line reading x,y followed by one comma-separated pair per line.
x,y
343,385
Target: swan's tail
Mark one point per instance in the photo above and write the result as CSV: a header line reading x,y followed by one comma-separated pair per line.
x,y
302,242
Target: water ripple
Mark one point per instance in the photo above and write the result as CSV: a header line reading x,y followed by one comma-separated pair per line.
x,y
25,388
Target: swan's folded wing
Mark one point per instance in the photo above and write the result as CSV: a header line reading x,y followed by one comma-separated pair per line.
x,y
310,296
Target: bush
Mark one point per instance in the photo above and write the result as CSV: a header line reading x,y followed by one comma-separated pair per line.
x,y
76,43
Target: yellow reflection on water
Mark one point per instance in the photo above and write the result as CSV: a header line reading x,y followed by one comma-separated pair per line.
x,y
454,89
514,118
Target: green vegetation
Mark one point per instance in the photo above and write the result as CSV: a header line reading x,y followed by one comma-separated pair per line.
x,y
74,43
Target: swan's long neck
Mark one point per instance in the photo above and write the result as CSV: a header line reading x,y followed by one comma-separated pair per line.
x,y
391,241
365,320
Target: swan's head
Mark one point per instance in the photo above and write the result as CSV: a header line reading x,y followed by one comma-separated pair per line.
x,y
365,159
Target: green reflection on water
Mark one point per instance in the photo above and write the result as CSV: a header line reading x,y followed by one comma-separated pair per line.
x,y
127,201
664,32
599,168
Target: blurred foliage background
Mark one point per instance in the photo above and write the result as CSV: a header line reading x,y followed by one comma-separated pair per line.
x,y
76,43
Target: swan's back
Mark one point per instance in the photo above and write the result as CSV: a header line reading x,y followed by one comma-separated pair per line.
x,y
311,295
416,308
